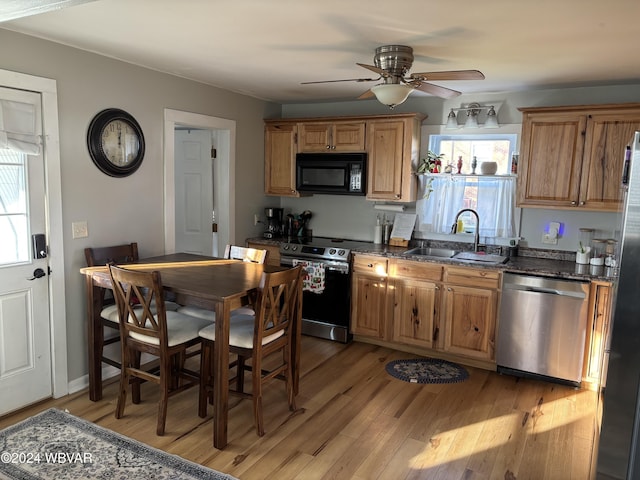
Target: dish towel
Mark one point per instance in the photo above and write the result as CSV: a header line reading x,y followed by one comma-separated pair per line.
x,y
313,280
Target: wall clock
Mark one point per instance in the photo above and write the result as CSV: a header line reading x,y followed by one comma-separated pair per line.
x,y
116,142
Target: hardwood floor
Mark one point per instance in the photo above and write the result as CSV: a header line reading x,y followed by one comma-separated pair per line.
x,y
354,421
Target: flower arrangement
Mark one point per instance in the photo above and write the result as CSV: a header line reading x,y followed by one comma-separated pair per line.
x,y
431,164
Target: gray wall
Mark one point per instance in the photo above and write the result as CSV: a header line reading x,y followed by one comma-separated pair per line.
x,y
120,210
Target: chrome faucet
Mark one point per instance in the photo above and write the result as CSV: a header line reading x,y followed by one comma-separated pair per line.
x,y
454,228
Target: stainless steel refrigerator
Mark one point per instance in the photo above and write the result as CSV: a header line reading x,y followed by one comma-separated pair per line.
x,y
619,445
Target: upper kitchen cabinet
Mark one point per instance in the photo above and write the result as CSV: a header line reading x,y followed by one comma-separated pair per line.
x,y
280,159
331,137
572,157
393,146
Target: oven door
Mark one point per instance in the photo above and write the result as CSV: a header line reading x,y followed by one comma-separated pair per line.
x,y
326,314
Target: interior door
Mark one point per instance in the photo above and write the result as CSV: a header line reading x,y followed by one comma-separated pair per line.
x,y
194,191
25,351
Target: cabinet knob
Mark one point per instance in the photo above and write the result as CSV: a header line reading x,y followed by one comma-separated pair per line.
x,y
370,265
328,147
574,203
449,289
581,203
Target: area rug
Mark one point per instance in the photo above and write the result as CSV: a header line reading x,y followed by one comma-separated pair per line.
x,y
59,446
426,370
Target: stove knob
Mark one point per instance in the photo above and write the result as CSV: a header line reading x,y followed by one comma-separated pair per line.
x,y
294,248
332,251
286,247
341,253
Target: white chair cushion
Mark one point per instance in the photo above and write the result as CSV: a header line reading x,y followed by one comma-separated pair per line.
x,y
210,314
110,312
240,332
180,329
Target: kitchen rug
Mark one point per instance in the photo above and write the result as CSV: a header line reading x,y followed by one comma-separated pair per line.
x,y
55,445
426,370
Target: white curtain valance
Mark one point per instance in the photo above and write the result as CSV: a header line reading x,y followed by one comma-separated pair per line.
x,y
19,128
440,197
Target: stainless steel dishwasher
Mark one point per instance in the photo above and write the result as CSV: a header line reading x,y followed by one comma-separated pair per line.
x,y
542,328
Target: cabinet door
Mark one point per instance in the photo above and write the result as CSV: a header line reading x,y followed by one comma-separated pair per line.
x,y
349,137
280,160
332,137
606,140
470,321
551,159
368,305
385,145
599,319
273,257
415,311
314,137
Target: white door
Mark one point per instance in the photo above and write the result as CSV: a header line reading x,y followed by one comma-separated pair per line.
x,y
194,191
25,350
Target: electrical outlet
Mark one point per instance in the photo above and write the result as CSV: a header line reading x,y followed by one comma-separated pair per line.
x,y
549,239
79,229
256,219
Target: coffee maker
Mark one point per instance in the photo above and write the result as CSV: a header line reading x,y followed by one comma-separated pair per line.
x,y
274,222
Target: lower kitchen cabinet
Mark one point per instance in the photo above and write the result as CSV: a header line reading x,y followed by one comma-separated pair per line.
x,y
416,302
600,300
369,305
436,309
470,311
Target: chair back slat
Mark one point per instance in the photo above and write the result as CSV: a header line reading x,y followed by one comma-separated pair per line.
x,y
253,255
277,303
140,301
127,253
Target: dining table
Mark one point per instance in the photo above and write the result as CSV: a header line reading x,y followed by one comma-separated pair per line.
x,y
213,283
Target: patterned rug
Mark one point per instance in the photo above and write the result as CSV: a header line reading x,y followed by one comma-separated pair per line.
x,y
58,446
426,370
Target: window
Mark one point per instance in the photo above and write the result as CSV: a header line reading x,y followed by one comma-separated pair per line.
x,y
442,196
14,235
486,148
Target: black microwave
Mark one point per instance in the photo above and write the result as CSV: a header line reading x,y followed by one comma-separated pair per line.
x,y
332,173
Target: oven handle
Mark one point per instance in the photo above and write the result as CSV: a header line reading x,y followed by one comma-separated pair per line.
x,y
333,267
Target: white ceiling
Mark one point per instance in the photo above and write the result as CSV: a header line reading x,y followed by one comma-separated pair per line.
x,y
265,48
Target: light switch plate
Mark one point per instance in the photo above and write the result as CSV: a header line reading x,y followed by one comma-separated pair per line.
x,y
79,229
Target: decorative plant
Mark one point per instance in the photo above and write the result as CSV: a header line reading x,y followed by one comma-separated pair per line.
x,y
431,164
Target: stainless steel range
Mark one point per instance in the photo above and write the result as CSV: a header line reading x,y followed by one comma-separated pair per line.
x,y
326,304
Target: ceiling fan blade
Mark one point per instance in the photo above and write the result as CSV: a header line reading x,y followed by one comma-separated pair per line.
x,y
344,80
451,75
367,94
436,90
379,71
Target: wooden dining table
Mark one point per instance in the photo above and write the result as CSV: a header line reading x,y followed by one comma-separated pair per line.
x,y
212,283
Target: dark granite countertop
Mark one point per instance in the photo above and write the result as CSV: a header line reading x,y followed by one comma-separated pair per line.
x,y
547,263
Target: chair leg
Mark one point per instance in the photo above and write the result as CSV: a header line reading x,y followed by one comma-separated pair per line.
x,y
240,373
122,393
256,394
291,394
165,381
135,382
205,373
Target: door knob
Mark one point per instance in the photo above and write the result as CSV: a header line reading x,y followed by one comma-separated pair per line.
x,y
37,273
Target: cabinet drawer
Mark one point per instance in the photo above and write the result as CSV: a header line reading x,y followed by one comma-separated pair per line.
x,y
370,264
472,277
418,270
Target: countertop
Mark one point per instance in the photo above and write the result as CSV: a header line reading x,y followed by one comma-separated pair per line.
x,y
530,261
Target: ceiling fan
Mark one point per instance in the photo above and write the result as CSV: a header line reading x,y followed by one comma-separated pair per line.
x,y
392,63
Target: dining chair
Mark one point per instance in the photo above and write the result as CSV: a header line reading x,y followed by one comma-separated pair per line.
x,y
147,327
232,252
100,256
253,338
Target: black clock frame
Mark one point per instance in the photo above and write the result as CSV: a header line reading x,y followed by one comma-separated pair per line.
x,y
94,142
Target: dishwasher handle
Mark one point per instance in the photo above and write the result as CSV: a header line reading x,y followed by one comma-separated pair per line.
x,y
548,291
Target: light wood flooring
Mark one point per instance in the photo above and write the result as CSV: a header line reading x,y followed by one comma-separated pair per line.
x,y
354,421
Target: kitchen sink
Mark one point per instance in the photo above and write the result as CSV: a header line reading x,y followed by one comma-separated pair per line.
x,y
431,252
480,258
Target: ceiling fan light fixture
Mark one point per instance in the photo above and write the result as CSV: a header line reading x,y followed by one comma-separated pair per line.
x,y
391,94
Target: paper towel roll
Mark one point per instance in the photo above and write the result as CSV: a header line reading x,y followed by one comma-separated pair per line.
x,y
377,234
390,208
